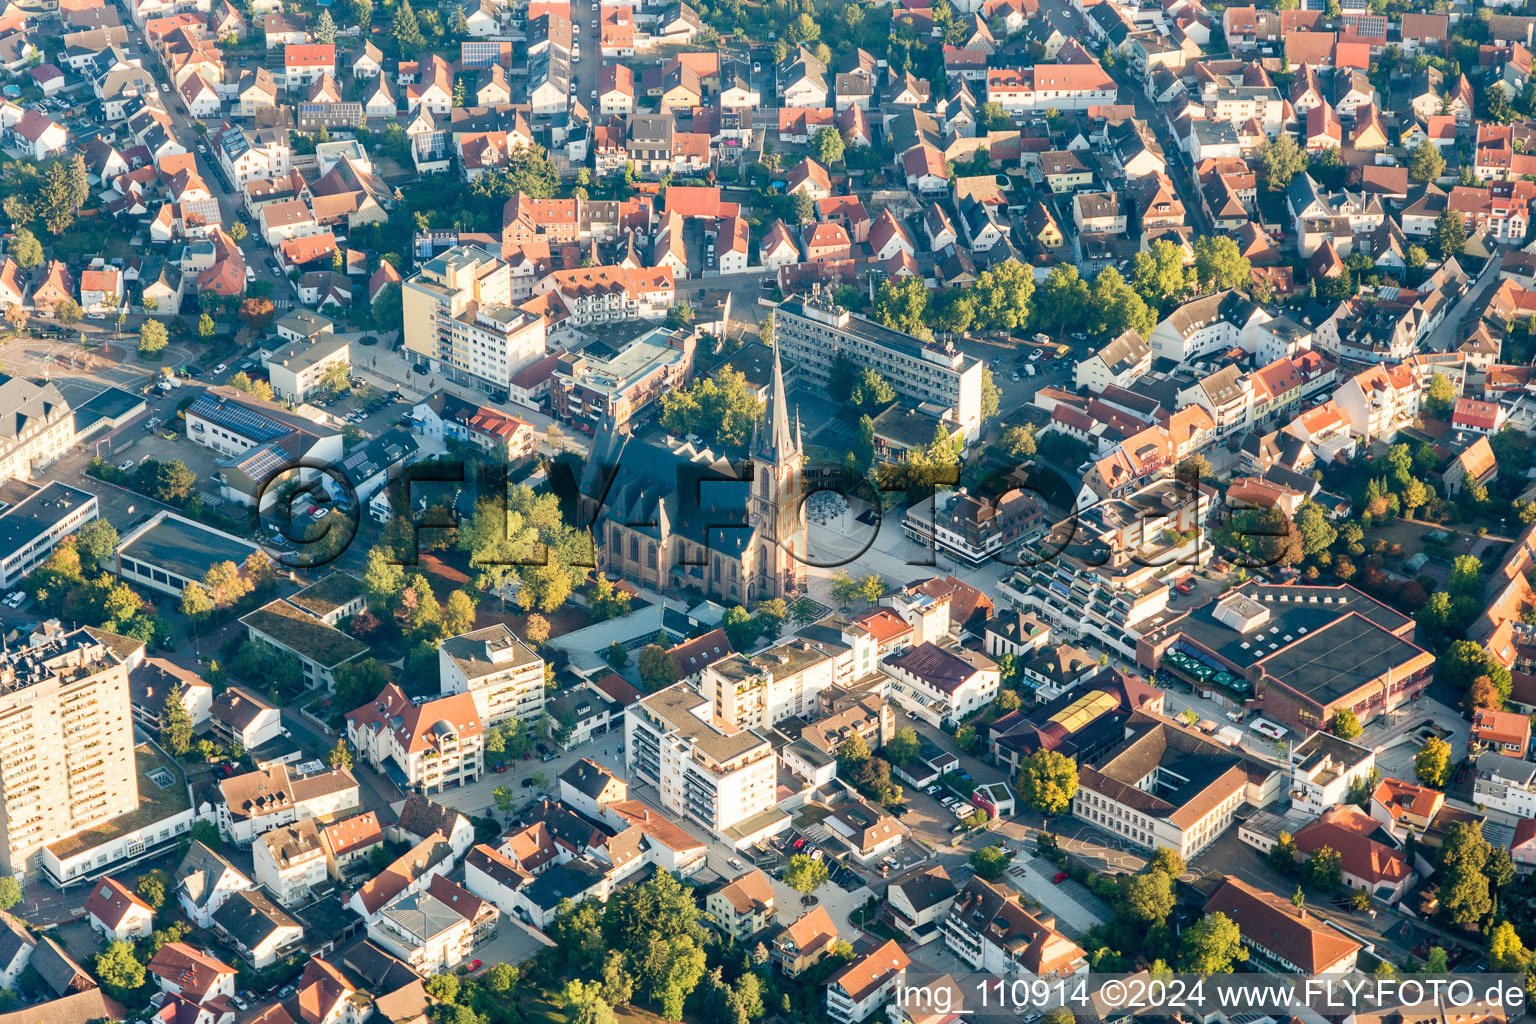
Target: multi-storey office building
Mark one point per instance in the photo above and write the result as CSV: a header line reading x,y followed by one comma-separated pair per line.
x,y
813,333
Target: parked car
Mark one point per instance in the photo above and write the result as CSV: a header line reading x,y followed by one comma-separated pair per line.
x,y
733,862
549,757
1059,877
126,466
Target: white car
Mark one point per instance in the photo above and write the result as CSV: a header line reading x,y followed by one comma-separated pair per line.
x,y
220,368
126,466
15,599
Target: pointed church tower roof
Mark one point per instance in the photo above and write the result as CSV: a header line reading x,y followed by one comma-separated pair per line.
x,y
780,445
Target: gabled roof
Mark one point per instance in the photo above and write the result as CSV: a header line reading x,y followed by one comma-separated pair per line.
x,y
1275,925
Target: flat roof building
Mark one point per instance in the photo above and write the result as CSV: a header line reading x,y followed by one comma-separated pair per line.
x,y
169,551
32,522
812,333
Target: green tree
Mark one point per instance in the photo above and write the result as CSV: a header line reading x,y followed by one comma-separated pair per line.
x,y
152,338
458,24
1425,164
1466,890
458,614
1317,533
406,30
720,408
990,862
1212,945
1437,961
1463,661
827,146
153,887
1047,781
1061,301
1146,899
118,970
1158,275
805,875
26,250
1003,296
1344,724
325,27
56,199
1117,308
657,667
902,304
1440,398
616,656
68,312
1280,161
872,392
1432,762
175,722
196,603
1219,264
443,987
903,747
1170,862
1449,236
10,893
1324,869
95,541
584,1003
238,232
383,579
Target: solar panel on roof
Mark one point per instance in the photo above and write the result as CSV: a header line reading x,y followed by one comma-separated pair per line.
x,y
244,421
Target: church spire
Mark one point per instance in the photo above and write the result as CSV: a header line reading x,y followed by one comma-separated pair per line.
x,y
780,444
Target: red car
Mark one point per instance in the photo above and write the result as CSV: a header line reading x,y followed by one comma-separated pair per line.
x,y
500,768
1059,877
474,966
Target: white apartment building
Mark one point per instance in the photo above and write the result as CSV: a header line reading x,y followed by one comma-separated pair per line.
x,y
1379,402
1209,324
430,744
856,991
1505,786
424,931
501,672
717,775
486,346
1323,768
600,295
291,862
1119,364
813,332
257,802
297,367
447,286
941,684
761,691
66,743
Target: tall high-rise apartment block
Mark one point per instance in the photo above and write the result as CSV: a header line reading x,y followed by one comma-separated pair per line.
x,y
66,743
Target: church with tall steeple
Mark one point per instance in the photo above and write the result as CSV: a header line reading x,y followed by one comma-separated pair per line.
x,y
777,508
673,516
